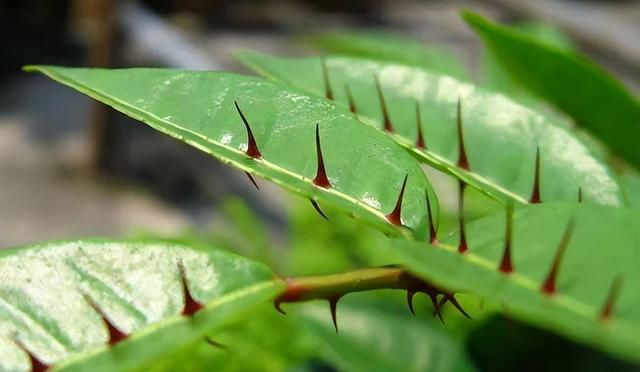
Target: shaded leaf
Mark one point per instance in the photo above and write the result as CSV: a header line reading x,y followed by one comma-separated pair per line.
x,y
601,259
595,99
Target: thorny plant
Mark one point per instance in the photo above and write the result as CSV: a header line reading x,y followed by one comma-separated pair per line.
x,y
520,265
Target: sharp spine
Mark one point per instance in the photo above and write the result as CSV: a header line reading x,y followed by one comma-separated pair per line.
x,y
321,178
549,284
535,192
463,161
328,92
395,217
462,245
252,147
506,265
387,125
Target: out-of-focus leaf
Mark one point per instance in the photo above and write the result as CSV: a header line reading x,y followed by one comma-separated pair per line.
x,y
391,48
595,99
371,340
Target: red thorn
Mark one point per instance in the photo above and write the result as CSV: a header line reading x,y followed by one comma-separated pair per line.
x,y
352,102
321,179
292,293
252,180
462,245
252,147
410,295
535,193
215,343
115,335
420,140
317,208
333,305
325,76
506,265
191,306
37,365
614,292
433,233
395,216
387,126
580,194
549,285
463,162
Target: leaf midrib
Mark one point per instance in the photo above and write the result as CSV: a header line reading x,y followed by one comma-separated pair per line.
x,y
133,111
427,156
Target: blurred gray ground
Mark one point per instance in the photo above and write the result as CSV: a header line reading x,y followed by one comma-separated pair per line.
x,y
49,192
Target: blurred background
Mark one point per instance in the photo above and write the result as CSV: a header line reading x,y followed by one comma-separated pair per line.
x,y
70,167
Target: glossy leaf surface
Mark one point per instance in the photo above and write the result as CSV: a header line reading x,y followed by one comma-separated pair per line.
x,y
48,292
595,99
500,135
365,168
600,267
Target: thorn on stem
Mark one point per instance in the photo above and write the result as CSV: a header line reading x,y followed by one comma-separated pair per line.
x,y
333,304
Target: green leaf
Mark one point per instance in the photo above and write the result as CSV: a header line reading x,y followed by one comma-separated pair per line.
x,y
500,135
391,48
373,340
365,168
46,290
603,249
595,99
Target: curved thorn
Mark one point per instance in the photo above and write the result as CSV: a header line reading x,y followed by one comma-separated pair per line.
x,y
252,146
410,295
612,296
37,365
321,179
253,181
433,232
463,161
333,304
352,102
535,192
328,93
395,216
277,304
451,298
420,140
462,245
215,343
191,306
387,126
506,265
115,334
549,285
317,208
